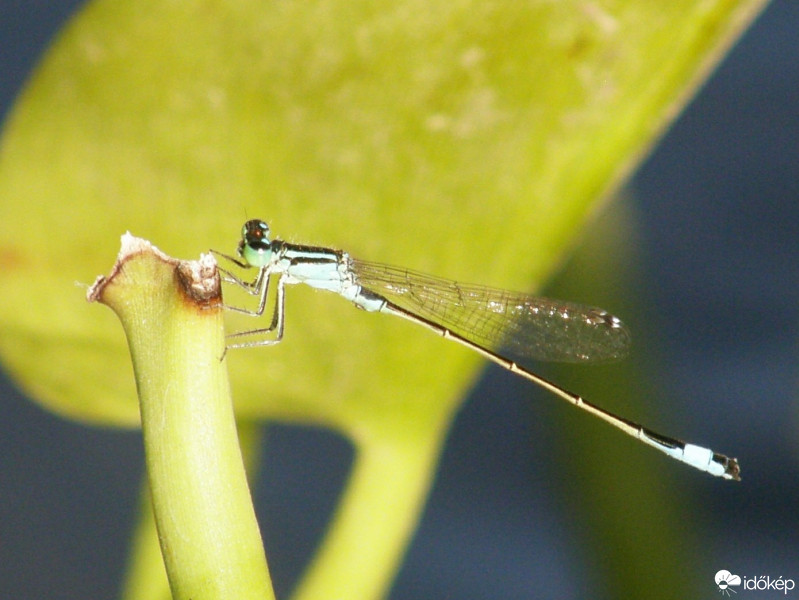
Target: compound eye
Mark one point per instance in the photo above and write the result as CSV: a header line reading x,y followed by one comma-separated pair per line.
x,y
255,230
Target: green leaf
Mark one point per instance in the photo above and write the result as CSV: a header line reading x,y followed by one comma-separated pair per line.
x,y
450,137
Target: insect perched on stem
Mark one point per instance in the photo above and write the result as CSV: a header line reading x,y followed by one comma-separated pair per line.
x,y
483,319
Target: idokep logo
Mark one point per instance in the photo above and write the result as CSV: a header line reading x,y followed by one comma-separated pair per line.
x,y
725,580
726,583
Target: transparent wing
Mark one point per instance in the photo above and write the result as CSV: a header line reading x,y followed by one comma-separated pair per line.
x,y
519,324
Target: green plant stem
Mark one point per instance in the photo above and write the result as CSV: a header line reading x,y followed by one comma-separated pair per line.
x,y
171,313
375,518
145,578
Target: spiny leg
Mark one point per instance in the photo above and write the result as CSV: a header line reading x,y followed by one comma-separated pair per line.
x,y
232,259
251,287
277,320
259,287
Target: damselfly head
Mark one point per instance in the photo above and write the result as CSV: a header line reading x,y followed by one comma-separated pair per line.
x,y
255,246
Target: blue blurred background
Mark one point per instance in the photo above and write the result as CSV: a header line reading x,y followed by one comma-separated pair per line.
x,y
708,280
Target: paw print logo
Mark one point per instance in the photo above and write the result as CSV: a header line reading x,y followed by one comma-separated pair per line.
x,y
725,579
